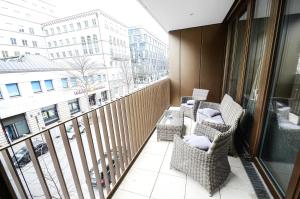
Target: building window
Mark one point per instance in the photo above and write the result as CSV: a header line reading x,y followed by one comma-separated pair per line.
x,y
15,126
64,82
95,41
77,52
13,41
100,78
71,27
46,32
34,43
21,30
1,96
24,42
49,44
70,53
83,43
52,55
65,28
31,31
104,77
86,24
55,43
78,25
61,42
89,42
57,55
13,89
27,53
49,85
68,41
73,81
64,53
50,114
4,54
36,86
74,106
94,22
92,99
52,31
58,29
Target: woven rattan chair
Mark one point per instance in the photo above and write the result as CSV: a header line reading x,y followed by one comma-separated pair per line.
x,y
210,168
191,110
230,112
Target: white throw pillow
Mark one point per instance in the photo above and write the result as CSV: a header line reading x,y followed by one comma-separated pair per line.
x,y
190,102
209,112
200,142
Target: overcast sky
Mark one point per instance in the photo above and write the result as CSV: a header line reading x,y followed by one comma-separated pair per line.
x,y
129,12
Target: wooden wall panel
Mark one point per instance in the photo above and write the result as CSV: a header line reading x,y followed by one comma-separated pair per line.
x,y
212,60
190,60
174,71
196,60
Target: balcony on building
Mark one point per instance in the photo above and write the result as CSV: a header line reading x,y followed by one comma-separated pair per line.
x,y
246,49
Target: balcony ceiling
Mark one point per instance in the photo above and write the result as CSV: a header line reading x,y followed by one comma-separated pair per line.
x,y
181,14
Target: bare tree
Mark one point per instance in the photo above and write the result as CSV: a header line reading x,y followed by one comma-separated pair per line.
x,y
127,76
81,68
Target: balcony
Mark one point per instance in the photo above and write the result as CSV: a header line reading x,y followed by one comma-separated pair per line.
x,y
118,138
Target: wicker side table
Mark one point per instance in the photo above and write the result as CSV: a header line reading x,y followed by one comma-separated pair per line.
x,y
171,123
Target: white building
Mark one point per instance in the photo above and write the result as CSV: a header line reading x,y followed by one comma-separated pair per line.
x,y
36,92
95,35
20,23
148,55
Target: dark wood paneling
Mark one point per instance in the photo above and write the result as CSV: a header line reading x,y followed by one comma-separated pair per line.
x,y
190,60
174,66
212,60
196,60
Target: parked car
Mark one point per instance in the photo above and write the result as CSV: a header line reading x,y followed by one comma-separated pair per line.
x,y
71,133
22,157
102,181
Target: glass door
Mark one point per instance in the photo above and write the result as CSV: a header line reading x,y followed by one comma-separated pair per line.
x,y
254,64
281,133
238,42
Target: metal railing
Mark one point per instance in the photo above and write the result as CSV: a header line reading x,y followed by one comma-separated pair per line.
x,y
86,156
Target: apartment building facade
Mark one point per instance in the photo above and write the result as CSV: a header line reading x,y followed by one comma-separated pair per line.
x,y
148,55
36,93
20,23
102,39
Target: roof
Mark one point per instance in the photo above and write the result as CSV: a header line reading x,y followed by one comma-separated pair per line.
x,y
84,14
29,63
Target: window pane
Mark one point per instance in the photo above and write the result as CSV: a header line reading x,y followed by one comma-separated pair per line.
x,y
64,82
36,86
49,85
237,48
253,68
12,90
281,134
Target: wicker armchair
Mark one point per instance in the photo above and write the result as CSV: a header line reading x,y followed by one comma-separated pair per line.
x,y
230,112
191,110
210,168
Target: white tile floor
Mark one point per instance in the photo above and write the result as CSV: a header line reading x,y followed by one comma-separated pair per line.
x,y
151,177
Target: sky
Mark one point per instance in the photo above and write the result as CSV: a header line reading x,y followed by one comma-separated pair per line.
x,y
129,12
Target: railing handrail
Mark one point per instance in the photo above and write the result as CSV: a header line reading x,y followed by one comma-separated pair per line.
x,y
79,115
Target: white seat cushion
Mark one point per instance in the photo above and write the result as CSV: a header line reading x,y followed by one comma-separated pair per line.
x,y
200,142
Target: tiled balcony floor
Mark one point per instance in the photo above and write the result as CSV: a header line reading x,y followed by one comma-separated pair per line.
x,y
151,177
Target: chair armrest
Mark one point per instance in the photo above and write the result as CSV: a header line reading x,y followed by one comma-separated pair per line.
x,y
209,105
201,129
184,99
217,126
